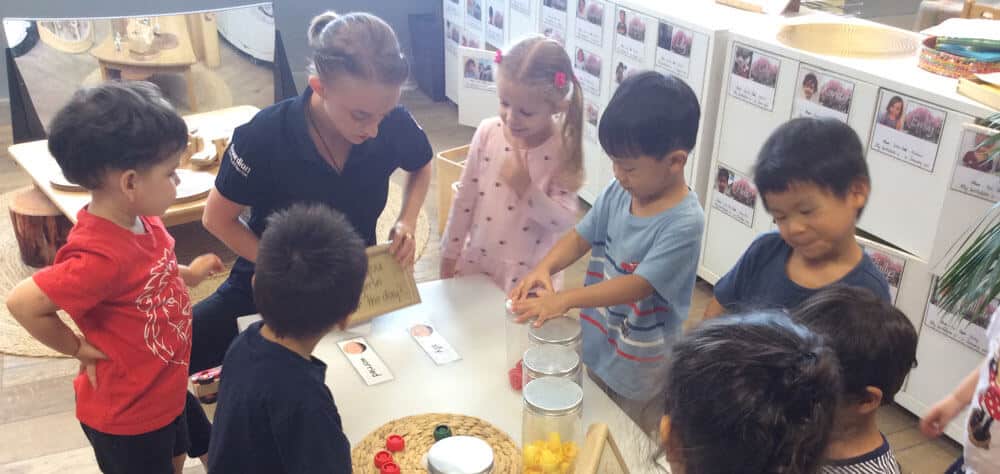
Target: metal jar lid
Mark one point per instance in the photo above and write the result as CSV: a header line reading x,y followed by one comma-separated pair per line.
x,y
551,359
460,455
553,396
563,330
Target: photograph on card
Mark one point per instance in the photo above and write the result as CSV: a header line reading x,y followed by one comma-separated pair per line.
x,y
471,39
521,6
630,34
587,66
754,76
623,69
891,266
969,330
453,36
735,196
365,360
907,129
474,15
452,10
673,50
433,343
819,94
591,115
590,21
477,73
554,19
976,170
496,12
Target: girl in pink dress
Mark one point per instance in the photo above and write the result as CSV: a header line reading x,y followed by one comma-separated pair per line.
x,y
518,189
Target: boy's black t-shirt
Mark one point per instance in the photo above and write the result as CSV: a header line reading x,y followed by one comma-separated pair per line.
x,y
275,413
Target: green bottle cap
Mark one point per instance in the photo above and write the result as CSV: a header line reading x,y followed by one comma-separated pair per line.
x,y
441,432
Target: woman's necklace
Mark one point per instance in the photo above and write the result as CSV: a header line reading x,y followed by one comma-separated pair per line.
x,y
333,158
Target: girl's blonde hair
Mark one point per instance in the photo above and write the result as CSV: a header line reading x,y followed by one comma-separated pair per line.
x,y
360,44
535,62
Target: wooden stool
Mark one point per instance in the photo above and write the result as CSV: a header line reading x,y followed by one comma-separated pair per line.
x,y
40,227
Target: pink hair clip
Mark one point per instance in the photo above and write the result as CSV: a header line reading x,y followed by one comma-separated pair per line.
x,y
498,57
560,79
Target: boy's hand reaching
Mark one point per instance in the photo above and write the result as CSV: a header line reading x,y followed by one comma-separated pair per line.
x,y
545,306
203,267
88,356
538,279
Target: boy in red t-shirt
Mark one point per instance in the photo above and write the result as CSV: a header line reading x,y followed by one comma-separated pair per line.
x,y
118,278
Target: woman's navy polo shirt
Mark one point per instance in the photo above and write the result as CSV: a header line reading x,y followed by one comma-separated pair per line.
x,y
272,163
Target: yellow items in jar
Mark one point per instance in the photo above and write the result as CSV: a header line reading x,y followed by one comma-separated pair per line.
x,y
549,456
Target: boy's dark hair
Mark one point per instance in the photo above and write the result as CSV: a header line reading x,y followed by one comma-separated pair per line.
x,y
875,342
311,268
821,151
115,125
650,114
751,393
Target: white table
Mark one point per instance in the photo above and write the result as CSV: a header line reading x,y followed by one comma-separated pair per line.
x,y
469,313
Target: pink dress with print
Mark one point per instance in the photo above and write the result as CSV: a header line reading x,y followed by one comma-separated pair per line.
x,y
493,231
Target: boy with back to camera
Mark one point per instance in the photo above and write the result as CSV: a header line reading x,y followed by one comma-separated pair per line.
x,y
118,278
644,234
813,179
877,346
275,412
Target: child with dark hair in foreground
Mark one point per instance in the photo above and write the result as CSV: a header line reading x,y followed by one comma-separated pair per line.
x,y
752,393
275,412
877,346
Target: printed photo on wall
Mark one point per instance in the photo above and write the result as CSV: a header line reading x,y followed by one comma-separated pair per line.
x,y
453,36
521,6
554,20
478,73
673,50
496,12
907,129
623,68
452,10
735,196
754,76
819,94
969,331
588,66
976,170
891,266
471,39
474,15
590,22
630,34
591,114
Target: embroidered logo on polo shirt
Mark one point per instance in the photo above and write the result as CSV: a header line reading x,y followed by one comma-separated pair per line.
x,y
238,163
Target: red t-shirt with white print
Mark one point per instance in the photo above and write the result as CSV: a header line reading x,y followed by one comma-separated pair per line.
x,y
125,293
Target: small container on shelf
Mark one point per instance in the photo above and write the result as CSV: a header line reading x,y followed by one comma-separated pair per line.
x,y
563,331
516,336
550,360
551,425
460,455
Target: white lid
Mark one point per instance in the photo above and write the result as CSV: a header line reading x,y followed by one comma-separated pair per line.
x,y
561,330
553,395
551,359
460,455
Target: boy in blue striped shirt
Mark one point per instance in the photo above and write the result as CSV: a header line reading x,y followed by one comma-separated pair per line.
x,y
644,234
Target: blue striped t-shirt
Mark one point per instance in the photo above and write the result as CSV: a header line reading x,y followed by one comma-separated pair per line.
x,y
627,345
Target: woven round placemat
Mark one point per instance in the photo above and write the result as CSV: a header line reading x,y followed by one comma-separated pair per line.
x,y
418,432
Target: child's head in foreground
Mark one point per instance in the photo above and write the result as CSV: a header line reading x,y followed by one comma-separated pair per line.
x,y
875,342
310,271
648,129
749,393
812,176
122,139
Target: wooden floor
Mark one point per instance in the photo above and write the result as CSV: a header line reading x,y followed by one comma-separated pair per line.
x,y
39,433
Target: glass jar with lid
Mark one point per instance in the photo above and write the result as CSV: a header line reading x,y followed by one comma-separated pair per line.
x,y
563,331
551,360
517,338
551,433
460,455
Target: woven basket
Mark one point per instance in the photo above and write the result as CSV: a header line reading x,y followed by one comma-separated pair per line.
x,y
950,65
418,432
848,40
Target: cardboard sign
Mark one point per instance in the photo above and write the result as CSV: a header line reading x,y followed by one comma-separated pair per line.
x,y
600,454
388,287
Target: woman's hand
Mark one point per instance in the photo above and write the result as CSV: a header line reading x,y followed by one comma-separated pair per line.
x,y
448,267
402,244
514,172
88,356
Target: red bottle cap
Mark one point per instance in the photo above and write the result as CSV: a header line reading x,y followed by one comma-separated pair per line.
x,y
382,458
389,468
395,443
515,376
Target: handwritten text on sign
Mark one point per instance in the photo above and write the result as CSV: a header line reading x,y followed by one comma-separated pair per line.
x,y
387,287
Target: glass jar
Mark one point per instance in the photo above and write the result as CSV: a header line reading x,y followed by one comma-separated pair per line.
x,y
551,432
517,338
563,331
550,360
460,455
